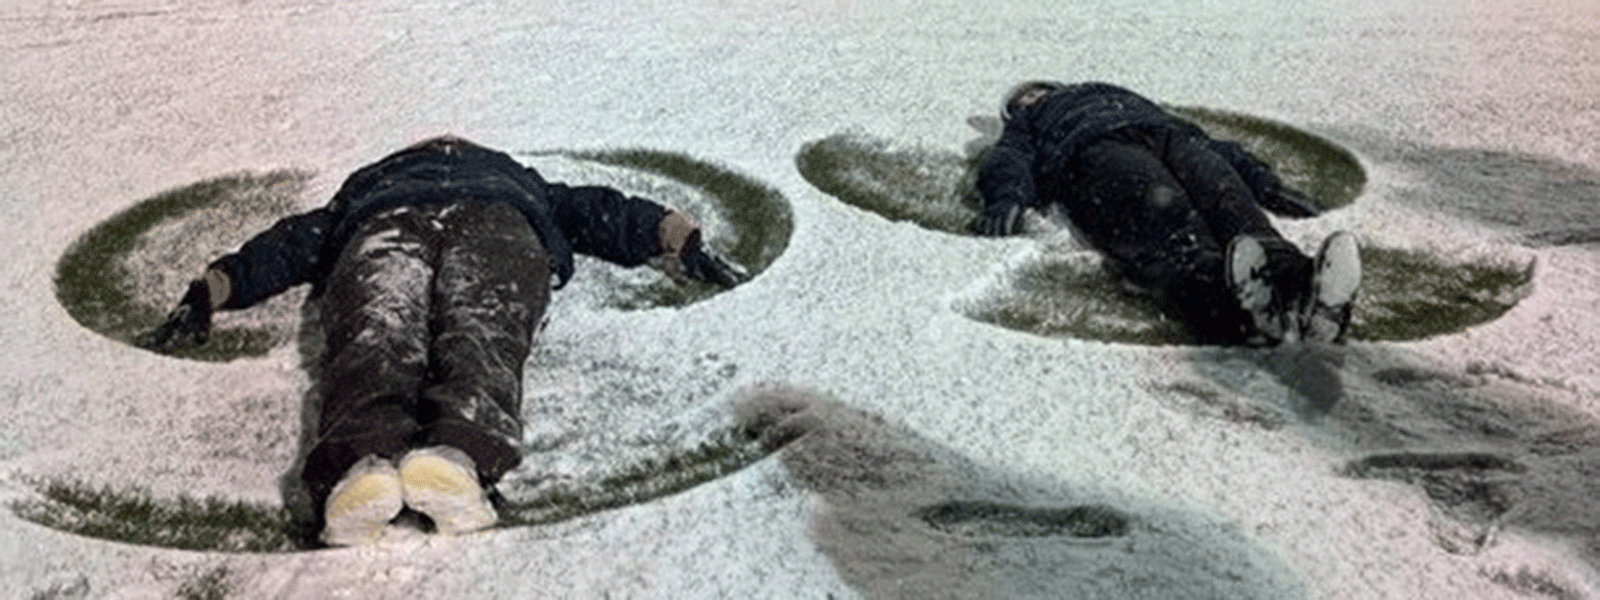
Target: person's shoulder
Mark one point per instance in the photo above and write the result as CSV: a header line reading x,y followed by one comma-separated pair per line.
x,y
1097,88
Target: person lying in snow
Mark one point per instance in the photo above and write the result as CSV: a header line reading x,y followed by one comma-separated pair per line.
x,y
1176,213
434,266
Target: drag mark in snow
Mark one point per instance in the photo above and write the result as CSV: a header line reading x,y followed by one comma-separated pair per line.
x,y
903,517
220,525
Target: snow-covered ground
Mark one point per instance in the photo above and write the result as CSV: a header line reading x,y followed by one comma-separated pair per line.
x,y
941,451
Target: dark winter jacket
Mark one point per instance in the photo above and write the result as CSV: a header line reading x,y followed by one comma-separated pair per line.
x,y
1045,138
596,221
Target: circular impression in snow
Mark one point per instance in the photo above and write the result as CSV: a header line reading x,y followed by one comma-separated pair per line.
x,y
121,276
1063,291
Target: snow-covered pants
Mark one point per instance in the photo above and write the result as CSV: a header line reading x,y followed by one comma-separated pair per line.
x,y
428,317
1163,206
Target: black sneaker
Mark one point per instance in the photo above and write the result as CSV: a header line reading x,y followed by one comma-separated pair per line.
x,y
1333,289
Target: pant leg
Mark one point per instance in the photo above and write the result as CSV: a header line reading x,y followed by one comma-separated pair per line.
x,y
375,322
1222,197
490,291
1132,207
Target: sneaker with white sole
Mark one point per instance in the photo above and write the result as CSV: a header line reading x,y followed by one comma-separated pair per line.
x,y
442,482
1333,288
362,503
1273,321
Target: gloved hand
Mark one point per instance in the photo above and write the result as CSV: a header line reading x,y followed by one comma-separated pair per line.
x,y
1289,202
998,221
187,325
700,265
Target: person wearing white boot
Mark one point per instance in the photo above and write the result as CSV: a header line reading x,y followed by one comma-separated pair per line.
x,y
433,267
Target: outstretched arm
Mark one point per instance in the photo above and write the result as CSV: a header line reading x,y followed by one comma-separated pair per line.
x,y
1006,186
607,224
1270,191
288,254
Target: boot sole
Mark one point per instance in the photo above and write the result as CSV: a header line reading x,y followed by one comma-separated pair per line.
x,y
447,492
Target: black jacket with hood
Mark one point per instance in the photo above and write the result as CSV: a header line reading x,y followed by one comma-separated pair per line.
x,y
597,221
1045,138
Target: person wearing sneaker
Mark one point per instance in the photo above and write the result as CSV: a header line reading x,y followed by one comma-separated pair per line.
x,y
1175,212
433,267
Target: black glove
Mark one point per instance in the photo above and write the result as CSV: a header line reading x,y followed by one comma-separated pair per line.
x,y
998,221
1289,202
700,265
187,325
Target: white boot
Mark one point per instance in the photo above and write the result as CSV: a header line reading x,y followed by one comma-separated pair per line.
x,y
442,482
362,503
1333,288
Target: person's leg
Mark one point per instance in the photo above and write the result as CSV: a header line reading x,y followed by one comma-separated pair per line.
x,y
1130,207
489,294
375,321
1222,199
1279,279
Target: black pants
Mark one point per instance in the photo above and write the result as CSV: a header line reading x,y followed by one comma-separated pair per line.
x,y
1162,207
428,315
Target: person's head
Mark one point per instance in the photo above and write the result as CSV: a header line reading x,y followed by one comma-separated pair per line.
x,y
1025,94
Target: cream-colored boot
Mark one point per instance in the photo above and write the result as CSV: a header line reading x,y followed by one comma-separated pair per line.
x,y
442,482
362,503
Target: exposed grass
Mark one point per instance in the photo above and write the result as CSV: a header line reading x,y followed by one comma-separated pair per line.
x,y
902,184
650,479
1408,295
1405,295
1323,170
760,213
92,278
137,517
1070,299
104,279
760,218
218,525
990,519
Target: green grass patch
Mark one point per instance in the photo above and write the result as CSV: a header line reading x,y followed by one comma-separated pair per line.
x,y
1326,172
1409,295
760,219
217,525
647,480
1071,298
902,184
1405,295
93,278
137,517
760,213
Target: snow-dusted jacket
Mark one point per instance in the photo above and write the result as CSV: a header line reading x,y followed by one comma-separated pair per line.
x,y
597,221
1046,138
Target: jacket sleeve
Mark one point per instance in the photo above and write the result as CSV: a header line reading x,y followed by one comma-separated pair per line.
x,y
607,224
288,254
1270,191
1006,178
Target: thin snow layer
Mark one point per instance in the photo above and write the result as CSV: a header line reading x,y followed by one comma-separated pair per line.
x,y
1272,483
